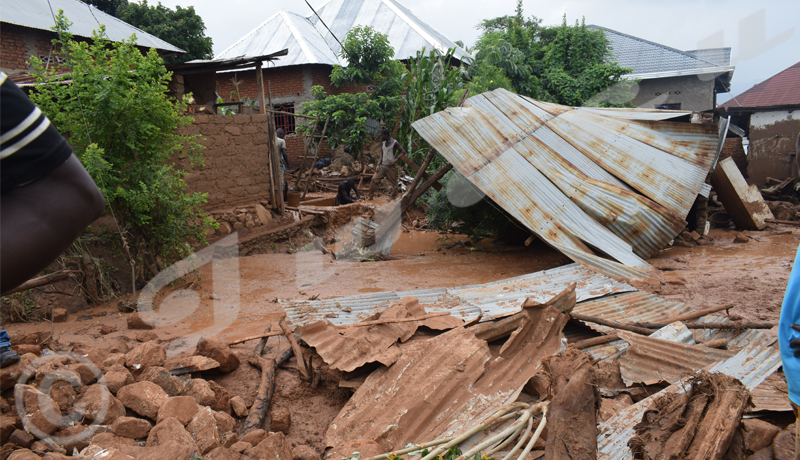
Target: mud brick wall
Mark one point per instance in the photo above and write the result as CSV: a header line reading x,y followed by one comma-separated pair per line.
x,y
773,136
733,148
236,170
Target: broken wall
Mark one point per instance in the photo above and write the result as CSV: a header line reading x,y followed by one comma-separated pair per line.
x,y
691,92
772,145
236,171
290,85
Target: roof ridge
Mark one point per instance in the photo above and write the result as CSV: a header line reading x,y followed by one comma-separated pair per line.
x,y
300,38
668,48
760,86
247,35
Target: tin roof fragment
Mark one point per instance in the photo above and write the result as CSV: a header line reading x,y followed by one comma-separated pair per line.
x,y
590,182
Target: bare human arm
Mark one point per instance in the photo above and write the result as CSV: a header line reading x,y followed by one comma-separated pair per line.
x,y
397,147
40,220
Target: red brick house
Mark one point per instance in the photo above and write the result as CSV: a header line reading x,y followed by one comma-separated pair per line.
x,y
313,51
26,32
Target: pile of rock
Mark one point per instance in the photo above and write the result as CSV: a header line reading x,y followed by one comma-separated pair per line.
x,y
244,217
130,406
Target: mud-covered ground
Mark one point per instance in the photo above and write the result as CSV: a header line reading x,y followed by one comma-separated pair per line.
x,y
752,276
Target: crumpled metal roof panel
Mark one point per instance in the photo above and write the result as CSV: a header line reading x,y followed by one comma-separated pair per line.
x,y
567,173
631,307
752,365
490,300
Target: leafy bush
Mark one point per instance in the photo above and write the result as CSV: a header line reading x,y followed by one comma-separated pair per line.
x,y
114,109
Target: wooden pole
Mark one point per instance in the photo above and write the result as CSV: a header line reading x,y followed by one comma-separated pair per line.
x,y
316,155
697,314
425,164
298,353
260,83
614,324
425,186
42,281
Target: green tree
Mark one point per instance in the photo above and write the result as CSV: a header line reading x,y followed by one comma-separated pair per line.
x,y
564,64
121,124
181,27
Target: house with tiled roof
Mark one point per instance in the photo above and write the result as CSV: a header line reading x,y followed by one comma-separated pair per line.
x,y
670,78
26,31
769,114
313,45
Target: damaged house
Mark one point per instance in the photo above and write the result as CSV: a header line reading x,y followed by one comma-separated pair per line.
x,y
769,113
313,51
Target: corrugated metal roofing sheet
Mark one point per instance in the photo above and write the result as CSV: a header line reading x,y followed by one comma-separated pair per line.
x,y
568,173
309,42
631,307
85,19
284,30
407,33
645,57
649,361
490,300
751,365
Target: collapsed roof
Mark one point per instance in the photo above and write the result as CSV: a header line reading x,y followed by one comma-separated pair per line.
x,y
591,182
310,42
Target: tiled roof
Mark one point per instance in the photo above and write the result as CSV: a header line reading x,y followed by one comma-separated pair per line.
x,y
648,58
779,90
310,42
36,14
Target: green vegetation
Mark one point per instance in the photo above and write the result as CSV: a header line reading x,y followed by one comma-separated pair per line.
x,y
122,126
564,64
181,27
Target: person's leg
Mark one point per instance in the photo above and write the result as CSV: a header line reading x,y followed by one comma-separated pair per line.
x,y
796,410
7,355
376,180
391,175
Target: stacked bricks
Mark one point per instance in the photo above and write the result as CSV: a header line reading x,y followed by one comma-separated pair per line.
x,y
733,148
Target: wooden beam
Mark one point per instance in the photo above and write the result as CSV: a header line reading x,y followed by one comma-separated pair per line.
x,y
260,84
42,281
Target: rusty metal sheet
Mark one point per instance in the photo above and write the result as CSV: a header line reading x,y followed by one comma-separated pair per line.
x,y
623,212
580,200
631,307
752,365
448,383
639,114
489,300
649,361
771,395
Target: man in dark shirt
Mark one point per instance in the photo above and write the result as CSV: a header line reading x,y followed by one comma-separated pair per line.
x,y
345,187
46,197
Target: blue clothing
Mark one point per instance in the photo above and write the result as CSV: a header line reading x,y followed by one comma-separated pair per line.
x,y
4,340
790,314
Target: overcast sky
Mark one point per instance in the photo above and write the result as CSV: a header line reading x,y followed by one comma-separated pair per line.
x,y
764,35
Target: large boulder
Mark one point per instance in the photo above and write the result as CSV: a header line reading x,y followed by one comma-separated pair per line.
x,y
131,427
273,447
182,408
144,398
145,355
99,405
117,376
203,429
214,348
170,430
161,377
40,413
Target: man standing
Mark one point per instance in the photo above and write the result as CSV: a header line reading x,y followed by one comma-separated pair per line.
x,y
386,164
281,144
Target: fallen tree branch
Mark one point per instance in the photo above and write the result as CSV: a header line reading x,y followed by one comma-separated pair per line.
x,y
734,325
247,339
395,320
784,222
608,323
697,314
595,341
298,353
42,281
266,387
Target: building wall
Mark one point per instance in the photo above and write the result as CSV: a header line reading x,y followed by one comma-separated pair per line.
x,y
288,85
733,148
692,92
18,44
772,145
236,164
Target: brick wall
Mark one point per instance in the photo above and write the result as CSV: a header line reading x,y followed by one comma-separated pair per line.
x,y
17,44
236,166
733,148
